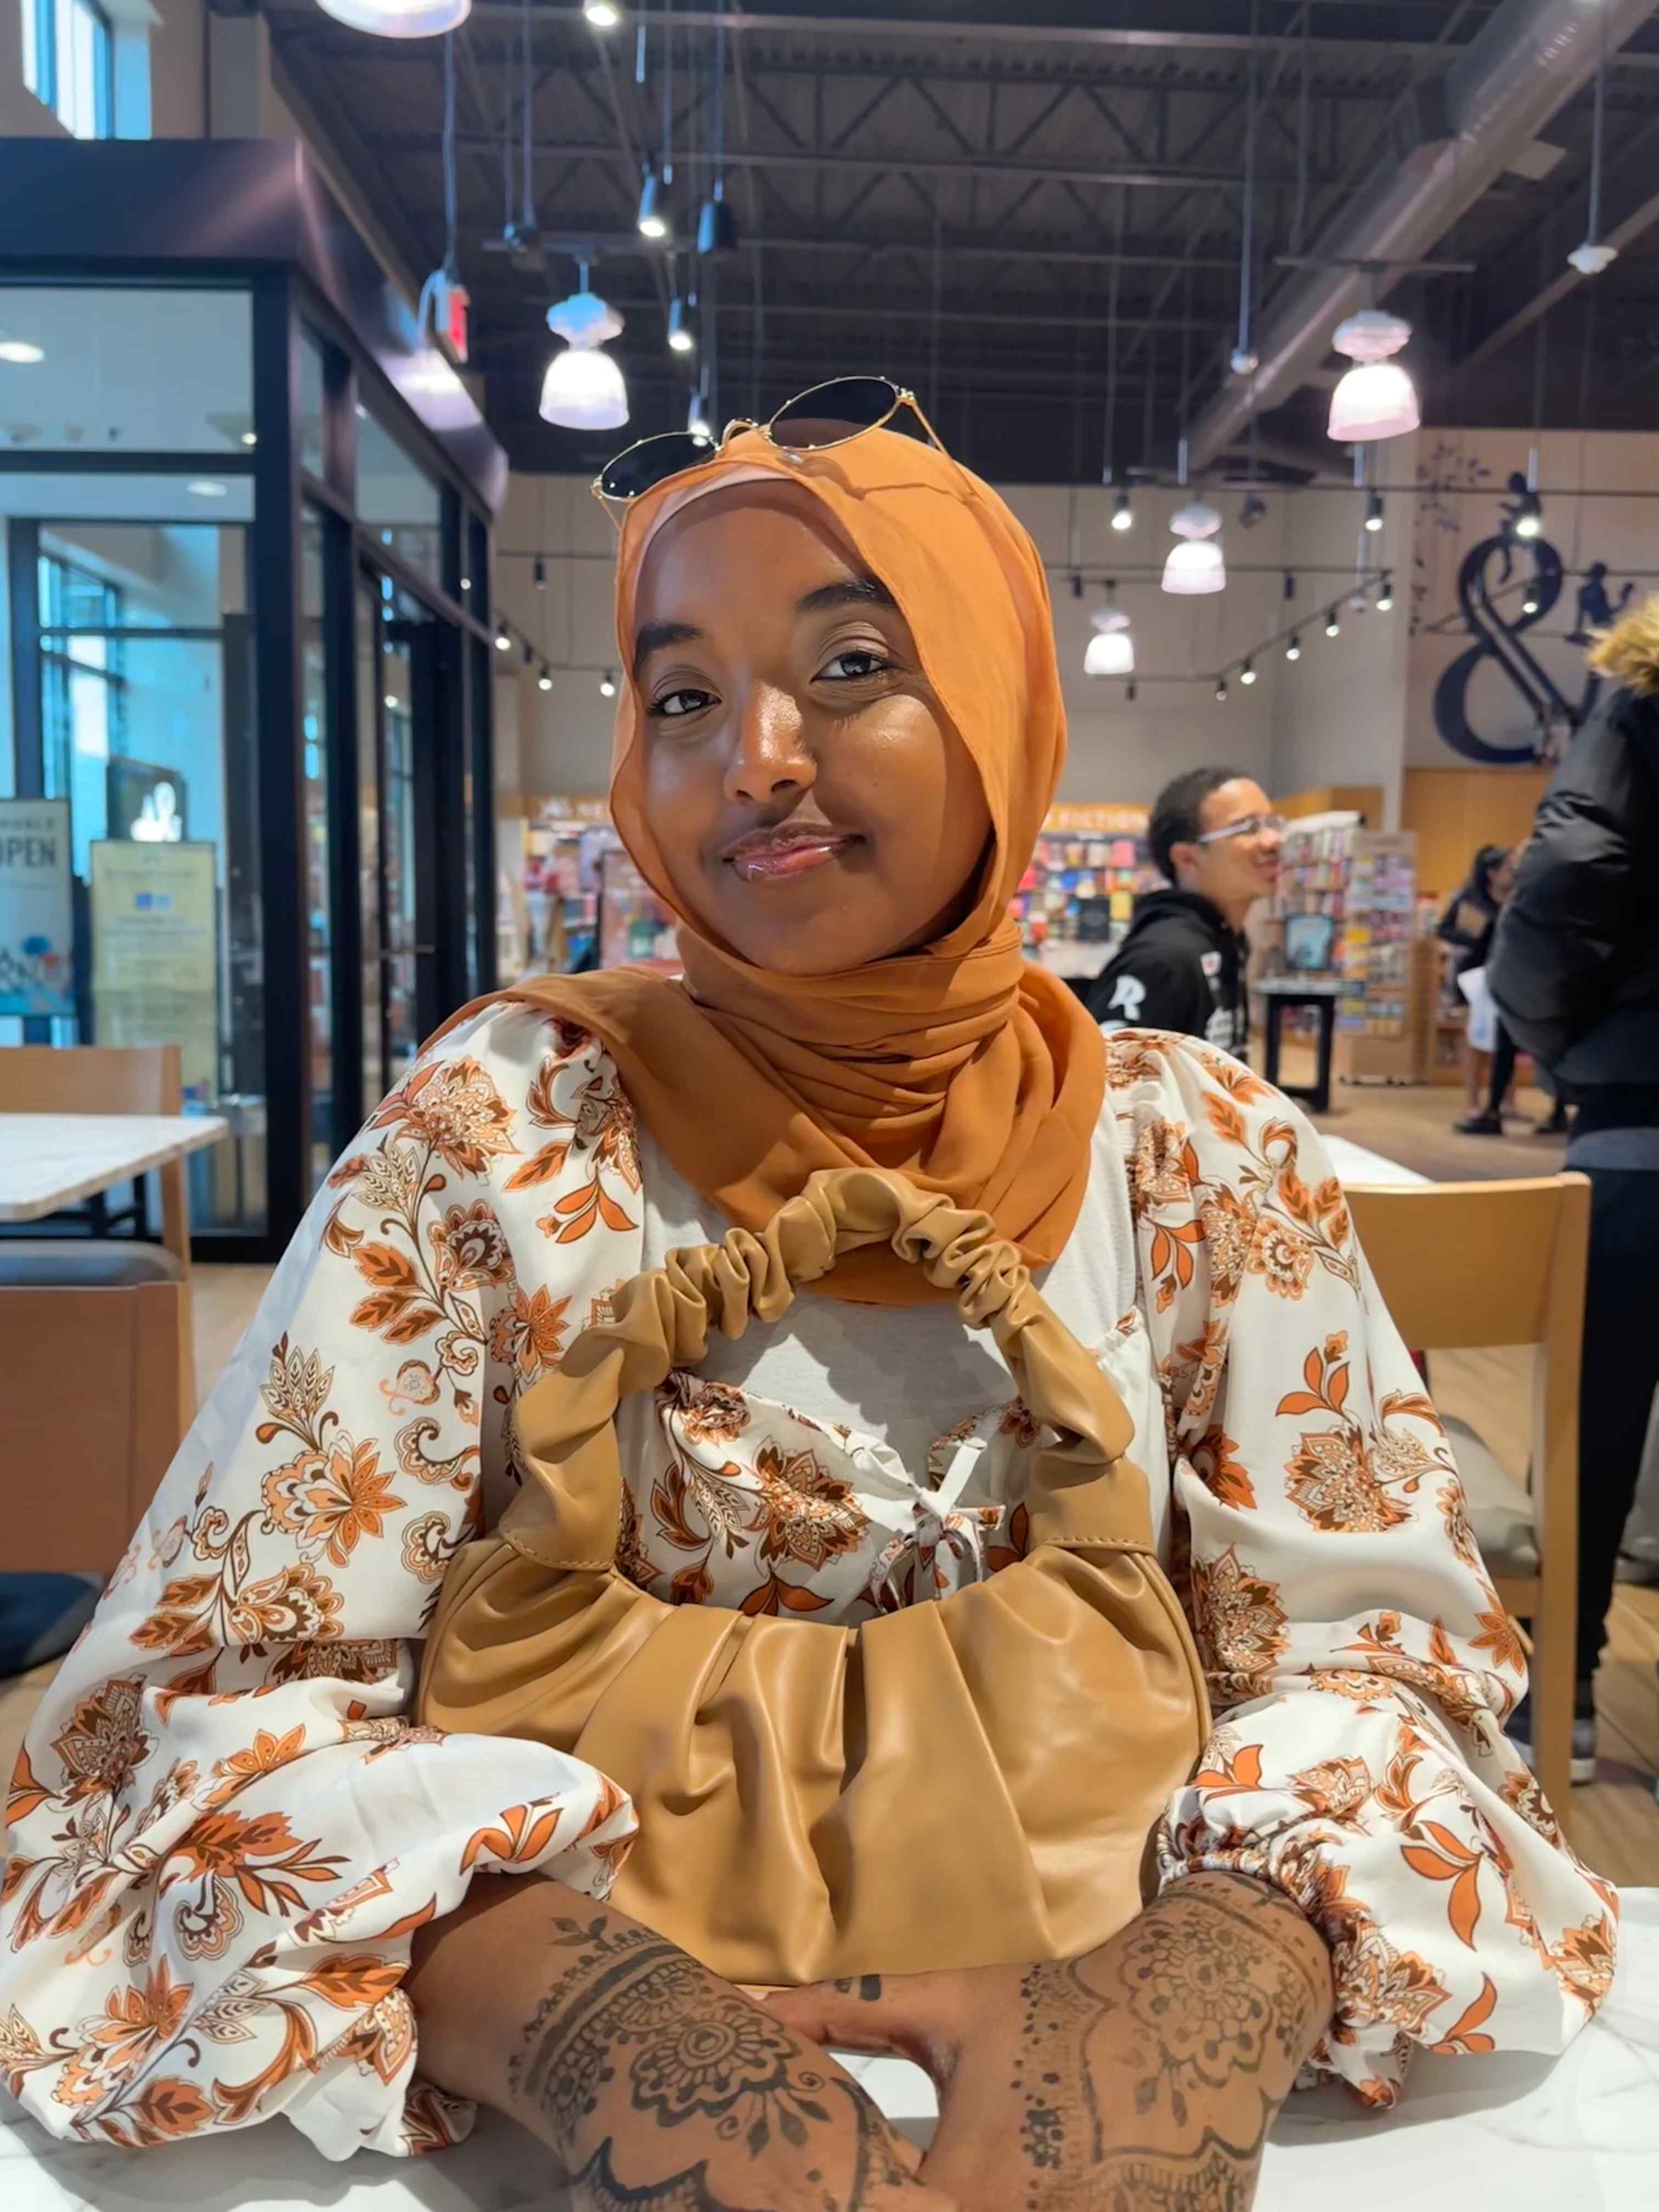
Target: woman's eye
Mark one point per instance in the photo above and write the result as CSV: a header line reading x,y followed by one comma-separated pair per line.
x,y
857,662
686,701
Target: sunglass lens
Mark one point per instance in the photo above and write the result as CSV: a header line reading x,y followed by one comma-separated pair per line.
x,y
652,462
831,413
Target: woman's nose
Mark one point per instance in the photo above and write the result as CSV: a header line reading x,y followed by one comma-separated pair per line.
x,y
769,755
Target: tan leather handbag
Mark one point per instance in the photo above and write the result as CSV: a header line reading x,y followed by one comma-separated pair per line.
x,y
972,1780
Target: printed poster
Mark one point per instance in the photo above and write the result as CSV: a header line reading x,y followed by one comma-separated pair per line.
x,y
156,953
37,912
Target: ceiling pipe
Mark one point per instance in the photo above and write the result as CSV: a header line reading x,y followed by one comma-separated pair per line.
x,y
1529,59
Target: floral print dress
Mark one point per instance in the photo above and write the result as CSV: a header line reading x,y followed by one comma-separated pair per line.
x,y
225,1826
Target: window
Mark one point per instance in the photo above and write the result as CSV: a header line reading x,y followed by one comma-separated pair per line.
x,y
68,63
82,718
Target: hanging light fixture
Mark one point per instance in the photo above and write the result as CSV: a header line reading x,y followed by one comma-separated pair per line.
x,y
1246,674
503,641
608,684
398,19
1123,514
654,207
1385,594
1530,603
1129,693
583,389
1590,258
1374,512
1251,508
1333,624
681,333
603,15
544,681
1293,650
1111,650
717,229
539,573
1529,516
1376,398
1194,565
1221,687
696,419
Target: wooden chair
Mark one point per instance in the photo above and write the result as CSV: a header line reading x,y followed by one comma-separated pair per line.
x,y
97,1359
1469,1265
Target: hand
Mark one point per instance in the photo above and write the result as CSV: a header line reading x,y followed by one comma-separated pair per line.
x,y
1140,2078
653,2083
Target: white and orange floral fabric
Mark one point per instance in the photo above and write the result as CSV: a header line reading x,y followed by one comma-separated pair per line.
x,y
225,1827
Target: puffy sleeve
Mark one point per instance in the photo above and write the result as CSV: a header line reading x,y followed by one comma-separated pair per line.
x,y
1359,1662
225,1825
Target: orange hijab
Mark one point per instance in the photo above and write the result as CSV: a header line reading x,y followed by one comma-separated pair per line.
x,y
972,1072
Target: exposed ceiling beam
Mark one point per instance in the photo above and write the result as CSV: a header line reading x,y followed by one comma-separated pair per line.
x,y
900,162
1529,59
1509,295
624,244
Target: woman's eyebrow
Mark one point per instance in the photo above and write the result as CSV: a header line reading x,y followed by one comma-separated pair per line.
x,y
653,638
855,592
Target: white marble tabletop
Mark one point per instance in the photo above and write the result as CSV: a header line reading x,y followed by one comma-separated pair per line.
x,y
1355,1164
51,1160
1527,2133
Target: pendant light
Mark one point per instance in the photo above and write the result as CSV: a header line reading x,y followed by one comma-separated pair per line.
x,y
682,327
1376,398
398,19
1590,258
1111,650
653,218
1194,565
584,389
1123,513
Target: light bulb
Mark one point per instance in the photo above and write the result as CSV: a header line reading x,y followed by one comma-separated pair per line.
x,y
1333,624
1220,687
1385,596
682,337
1293,650
1246,674
1529,605
583,390
207,488
544,682
20,352
503,642
654,208
608,684
603,15
1374,512
250,437
1123,515
1529,522
399,19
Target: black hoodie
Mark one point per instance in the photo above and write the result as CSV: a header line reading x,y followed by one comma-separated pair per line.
x,y
1179,968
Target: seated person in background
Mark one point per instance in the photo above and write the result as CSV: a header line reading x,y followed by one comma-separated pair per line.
x,y
246,1881
1182,965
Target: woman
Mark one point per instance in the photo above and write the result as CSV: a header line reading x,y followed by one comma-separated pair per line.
x,y
244,1882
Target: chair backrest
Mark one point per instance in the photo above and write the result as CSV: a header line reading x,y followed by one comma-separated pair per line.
x,y
1465,1265
90,1079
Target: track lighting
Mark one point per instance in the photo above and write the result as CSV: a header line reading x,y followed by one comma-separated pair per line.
x,y
1251,509
1123,514
1246,674
682,337
1385,594
503,642
1333,624
717,229
539,573
544,681
608,684
1374,512
1293,650
654,208
1220,687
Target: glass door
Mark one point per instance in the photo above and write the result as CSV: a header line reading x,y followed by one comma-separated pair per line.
x,y
397,710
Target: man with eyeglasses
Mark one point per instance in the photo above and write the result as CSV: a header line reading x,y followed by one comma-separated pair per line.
x,y
1182,967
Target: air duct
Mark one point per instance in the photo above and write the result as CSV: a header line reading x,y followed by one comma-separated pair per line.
x,y
1530,58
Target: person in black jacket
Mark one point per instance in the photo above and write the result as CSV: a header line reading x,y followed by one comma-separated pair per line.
x,y
1182,967
1575,971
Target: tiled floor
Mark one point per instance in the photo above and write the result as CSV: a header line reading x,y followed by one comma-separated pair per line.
x,y
1614,1821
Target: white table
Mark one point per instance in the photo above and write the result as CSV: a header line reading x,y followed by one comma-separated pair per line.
x,y
1354,1164
48,1161
1527,2133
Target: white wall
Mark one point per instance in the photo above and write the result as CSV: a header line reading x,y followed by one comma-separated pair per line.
x,y
1341,707
1118,751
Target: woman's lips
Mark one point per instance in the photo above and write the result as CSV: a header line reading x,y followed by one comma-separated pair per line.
x,y
788,858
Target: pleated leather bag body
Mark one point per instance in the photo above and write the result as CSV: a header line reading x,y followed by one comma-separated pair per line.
x,y
971,1781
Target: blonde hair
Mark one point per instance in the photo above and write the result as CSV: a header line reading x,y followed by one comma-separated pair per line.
x,y
1629,652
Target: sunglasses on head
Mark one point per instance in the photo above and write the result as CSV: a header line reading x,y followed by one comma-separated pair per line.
x,y
826,415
